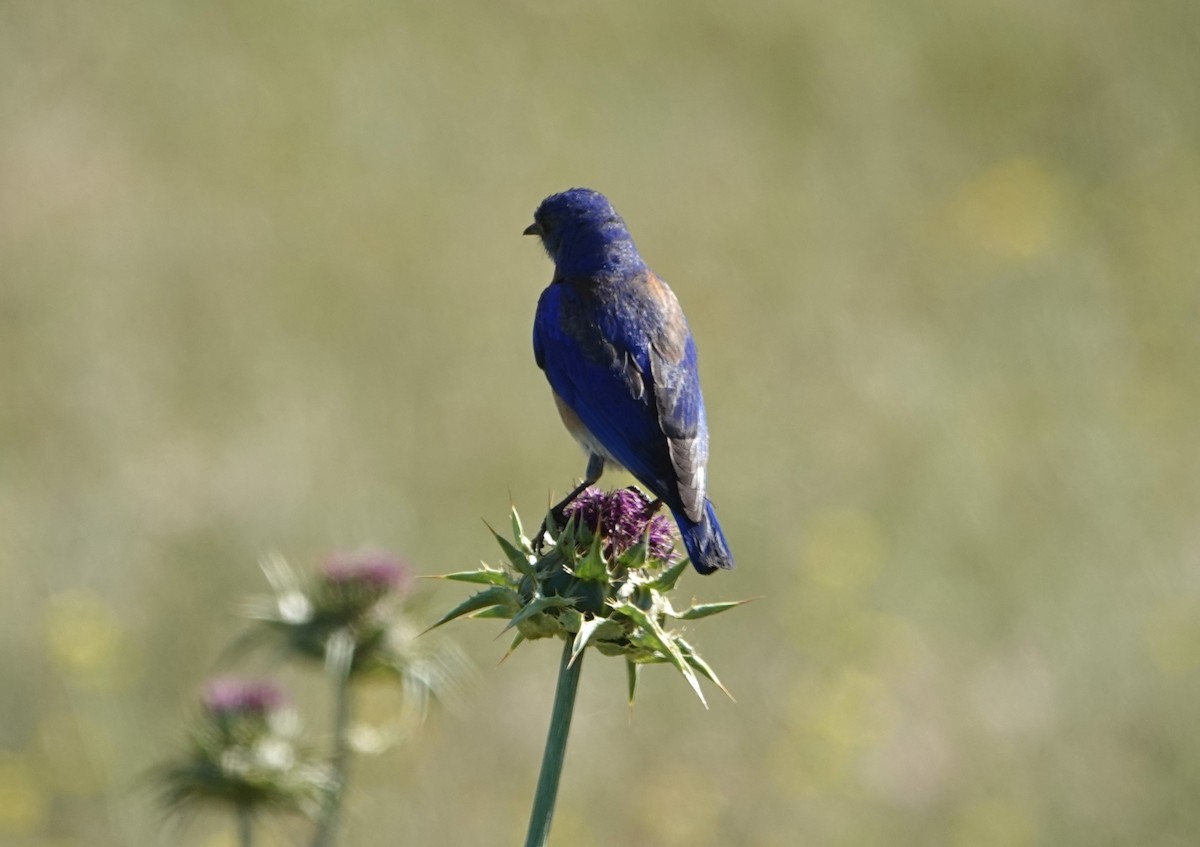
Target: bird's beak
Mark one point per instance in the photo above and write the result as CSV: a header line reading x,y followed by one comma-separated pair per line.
x,y
532,229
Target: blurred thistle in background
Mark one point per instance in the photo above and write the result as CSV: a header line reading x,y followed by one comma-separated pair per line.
x,y
262,289
355,616
244,755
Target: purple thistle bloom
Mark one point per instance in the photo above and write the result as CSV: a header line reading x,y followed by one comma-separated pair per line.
x,y
662,538
622,517
350,586
589,505
371,569
233,696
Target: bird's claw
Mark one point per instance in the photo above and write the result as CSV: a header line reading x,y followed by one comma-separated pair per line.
x,y
554,520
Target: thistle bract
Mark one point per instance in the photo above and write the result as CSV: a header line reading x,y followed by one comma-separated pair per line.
x,y
240,710
353,615
244,753
350,585
604,582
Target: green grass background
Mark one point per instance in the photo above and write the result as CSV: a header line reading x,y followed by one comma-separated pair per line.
x,y
262,287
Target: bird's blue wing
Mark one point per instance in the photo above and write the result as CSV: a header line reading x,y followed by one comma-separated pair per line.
x,y
627,368
680,405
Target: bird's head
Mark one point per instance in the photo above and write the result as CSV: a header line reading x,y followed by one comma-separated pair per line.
x,y
583,234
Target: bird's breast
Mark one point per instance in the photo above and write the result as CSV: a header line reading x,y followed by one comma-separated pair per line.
x,y
579,431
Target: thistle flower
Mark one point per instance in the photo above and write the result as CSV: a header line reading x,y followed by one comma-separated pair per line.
x,y
623,517
350,585
604,583
353,613
244,754
233,698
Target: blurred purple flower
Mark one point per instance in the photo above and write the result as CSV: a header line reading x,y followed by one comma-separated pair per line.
x,y
623,516
233,696
373,569
243,753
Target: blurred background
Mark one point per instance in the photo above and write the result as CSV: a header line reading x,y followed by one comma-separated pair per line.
x,y
263,289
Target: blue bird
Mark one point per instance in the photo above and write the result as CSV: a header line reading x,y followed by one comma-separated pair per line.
x,y
616,349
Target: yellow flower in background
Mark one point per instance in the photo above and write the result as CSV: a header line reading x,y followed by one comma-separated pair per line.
x,y
1013,209
23,802
994,823
86,639
857,710
844,550
1173,639
833,722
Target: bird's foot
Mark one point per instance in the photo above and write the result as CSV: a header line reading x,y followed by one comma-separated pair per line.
x,y
556,518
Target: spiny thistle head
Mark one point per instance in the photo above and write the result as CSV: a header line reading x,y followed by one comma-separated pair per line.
x,y
244,753
350,585
604,582
355,614
233,704
624,516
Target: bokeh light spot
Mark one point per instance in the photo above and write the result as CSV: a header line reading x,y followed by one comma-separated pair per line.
x,y
1012,210
994,823
1173,639
86,639
844,549
833,722
23,803
71,746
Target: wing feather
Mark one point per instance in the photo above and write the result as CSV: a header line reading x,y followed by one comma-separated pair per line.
x,y
629,373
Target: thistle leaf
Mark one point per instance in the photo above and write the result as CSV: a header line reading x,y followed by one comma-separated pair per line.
x,y
592,567
631,674
635,557
587,628
565,542
551,528
608,630
519,560
483,576
666,580
551,560
536,607
519,531
665,644
571,618
694,659
494,596
516,642
705,609
498,612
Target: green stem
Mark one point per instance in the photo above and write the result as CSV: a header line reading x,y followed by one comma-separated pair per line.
x,y
556,749
245,826
327,825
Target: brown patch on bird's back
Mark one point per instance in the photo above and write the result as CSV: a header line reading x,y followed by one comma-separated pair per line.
x,y
671,340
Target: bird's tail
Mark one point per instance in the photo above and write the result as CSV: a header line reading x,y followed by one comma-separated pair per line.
x,y
705,543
